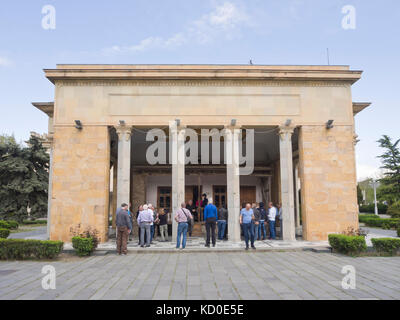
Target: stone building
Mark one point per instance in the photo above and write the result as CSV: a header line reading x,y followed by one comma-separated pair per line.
x,y
302,119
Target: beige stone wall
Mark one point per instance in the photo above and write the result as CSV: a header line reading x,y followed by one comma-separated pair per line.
x,y
80,193
328,180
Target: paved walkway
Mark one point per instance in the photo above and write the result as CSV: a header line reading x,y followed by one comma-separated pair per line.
x,y
39,233
222,275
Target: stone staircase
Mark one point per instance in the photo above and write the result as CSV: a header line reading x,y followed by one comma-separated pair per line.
x,y
198,230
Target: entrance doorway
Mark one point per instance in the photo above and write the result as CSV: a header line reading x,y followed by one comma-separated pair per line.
x,y
219,196
247,194
164,198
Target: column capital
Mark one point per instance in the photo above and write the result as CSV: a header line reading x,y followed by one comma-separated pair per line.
x,y
285,131
123,131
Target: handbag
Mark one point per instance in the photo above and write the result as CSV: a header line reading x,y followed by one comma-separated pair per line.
x,y
189,220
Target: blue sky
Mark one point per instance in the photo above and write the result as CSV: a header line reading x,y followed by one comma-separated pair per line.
x,y
208,31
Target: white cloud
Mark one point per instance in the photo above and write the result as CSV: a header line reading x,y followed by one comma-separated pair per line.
x,y
224,20
4,62
365,171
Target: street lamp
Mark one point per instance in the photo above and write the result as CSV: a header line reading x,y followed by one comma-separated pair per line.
x,y
374,184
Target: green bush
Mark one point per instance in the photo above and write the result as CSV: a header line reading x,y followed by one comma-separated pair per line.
x,y
394,210
83,246
388,246
365,217
34,222
4,233
382,208
351,245
13,224
21,249
380,223
4,224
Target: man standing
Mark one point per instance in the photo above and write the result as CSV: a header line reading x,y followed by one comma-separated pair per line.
x,y
210,217
263,218
279,209
152,226
192,209
124,227
256,222
222,220
271,218
182,216
145,221
246,218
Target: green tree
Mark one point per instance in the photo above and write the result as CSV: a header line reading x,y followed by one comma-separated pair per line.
x,y
23,179
390,183
359,195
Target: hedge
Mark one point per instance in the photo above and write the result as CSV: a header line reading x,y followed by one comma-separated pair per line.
x,y
4,233
34,222
388,246
21,249
351,245
381,223
13,224
83,246
4,224
382,208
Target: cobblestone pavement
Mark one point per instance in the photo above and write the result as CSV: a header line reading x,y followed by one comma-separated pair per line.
x,y
214,275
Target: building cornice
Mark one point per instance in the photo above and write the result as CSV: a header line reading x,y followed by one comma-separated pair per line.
x,y
203,72
46,107
360,106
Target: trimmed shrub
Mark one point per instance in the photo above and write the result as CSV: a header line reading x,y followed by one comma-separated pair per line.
x,y
21,249
350,245
388,246
4,224
381,223
369,208
83,246
34,222
13,224
394,210
4,233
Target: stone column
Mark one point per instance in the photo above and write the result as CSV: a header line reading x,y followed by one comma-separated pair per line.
x,y
114,195
287,189
233,182
124,164
177,159
297,188
49,194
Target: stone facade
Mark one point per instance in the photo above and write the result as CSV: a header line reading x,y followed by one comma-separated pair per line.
x,y
105,97
80,190
328,176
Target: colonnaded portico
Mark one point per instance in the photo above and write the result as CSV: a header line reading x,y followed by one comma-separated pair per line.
x,y
301,119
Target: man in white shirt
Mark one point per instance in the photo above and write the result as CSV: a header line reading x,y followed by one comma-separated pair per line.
x,y
271,219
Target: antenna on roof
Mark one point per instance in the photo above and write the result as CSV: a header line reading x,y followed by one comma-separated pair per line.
x,y
327,55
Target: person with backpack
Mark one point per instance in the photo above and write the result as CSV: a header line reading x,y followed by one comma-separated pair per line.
x,y
182,217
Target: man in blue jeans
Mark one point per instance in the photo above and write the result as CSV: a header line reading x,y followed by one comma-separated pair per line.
x,y
182,216
246,218
222,219
271,219
263,217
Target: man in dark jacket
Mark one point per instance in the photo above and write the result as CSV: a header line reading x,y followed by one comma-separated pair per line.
x,y
222,220
192,209
263,218
256,221
124,227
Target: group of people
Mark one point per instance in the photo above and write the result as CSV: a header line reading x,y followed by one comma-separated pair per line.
x,y
253,220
